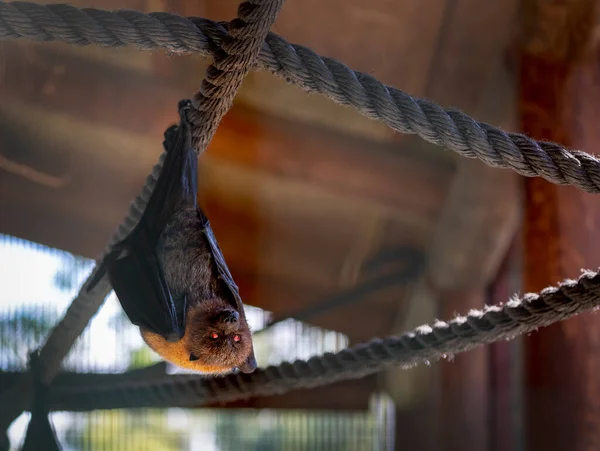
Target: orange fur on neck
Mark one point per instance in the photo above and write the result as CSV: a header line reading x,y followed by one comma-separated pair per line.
x,y
178,354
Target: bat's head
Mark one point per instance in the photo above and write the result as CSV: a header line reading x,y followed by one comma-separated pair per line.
x,y
218,336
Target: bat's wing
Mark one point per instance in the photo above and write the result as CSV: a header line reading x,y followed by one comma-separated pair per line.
x,y
140,285
133,266
233,297
222,267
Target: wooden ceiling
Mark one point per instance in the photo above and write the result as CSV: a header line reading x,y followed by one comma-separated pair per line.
x,y
310,201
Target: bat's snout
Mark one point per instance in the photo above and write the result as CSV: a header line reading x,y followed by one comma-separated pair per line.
x,y
249,365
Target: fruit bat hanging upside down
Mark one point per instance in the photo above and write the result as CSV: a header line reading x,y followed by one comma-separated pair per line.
x,y
170,275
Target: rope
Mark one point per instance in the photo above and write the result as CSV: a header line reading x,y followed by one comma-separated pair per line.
x,y
231,64
212,101
301,66
424,344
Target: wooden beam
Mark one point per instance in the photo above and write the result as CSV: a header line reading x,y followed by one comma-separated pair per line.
x,y
55,80
385,174
470,52
559,100
119,98
475,227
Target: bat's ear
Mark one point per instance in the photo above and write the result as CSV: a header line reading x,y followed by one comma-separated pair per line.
x,y
249,365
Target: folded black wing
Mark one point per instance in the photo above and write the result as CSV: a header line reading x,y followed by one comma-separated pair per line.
x,y
133,266
140,285
232,291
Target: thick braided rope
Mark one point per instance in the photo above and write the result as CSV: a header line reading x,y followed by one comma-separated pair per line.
x,y
233,59
212,101
77,316
303,67
423,345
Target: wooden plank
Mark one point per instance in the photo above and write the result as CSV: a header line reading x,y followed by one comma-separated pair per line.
x,y
56,80
120,98
471,50
383,173
475,227
559,101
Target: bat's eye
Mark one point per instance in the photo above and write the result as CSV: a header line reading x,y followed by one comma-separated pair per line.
x,y
214,335
236,338
193,357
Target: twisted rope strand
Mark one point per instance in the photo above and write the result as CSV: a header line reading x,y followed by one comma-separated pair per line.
x,y
303,67
424,344
233,58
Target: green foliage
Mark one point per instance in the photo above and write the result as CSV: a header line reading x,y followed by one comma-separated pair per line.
x,y
141,357
21,331
66,278
131,431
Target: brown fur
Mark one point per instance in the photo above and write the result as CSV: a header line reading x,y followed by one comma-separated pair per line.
x,y
214,356
189,269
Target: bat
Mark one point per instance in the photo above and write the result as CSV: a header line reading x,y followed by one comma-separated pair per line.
x,y
170,275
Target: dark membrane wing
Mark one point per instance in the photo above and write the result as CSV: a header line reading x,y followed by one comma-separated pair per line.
x,y
226,277
177,183
222,267
137,278
144,295
176,186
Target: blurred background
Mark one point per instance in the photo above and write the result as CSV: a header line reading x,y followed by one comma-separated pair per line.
x,y
332,225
